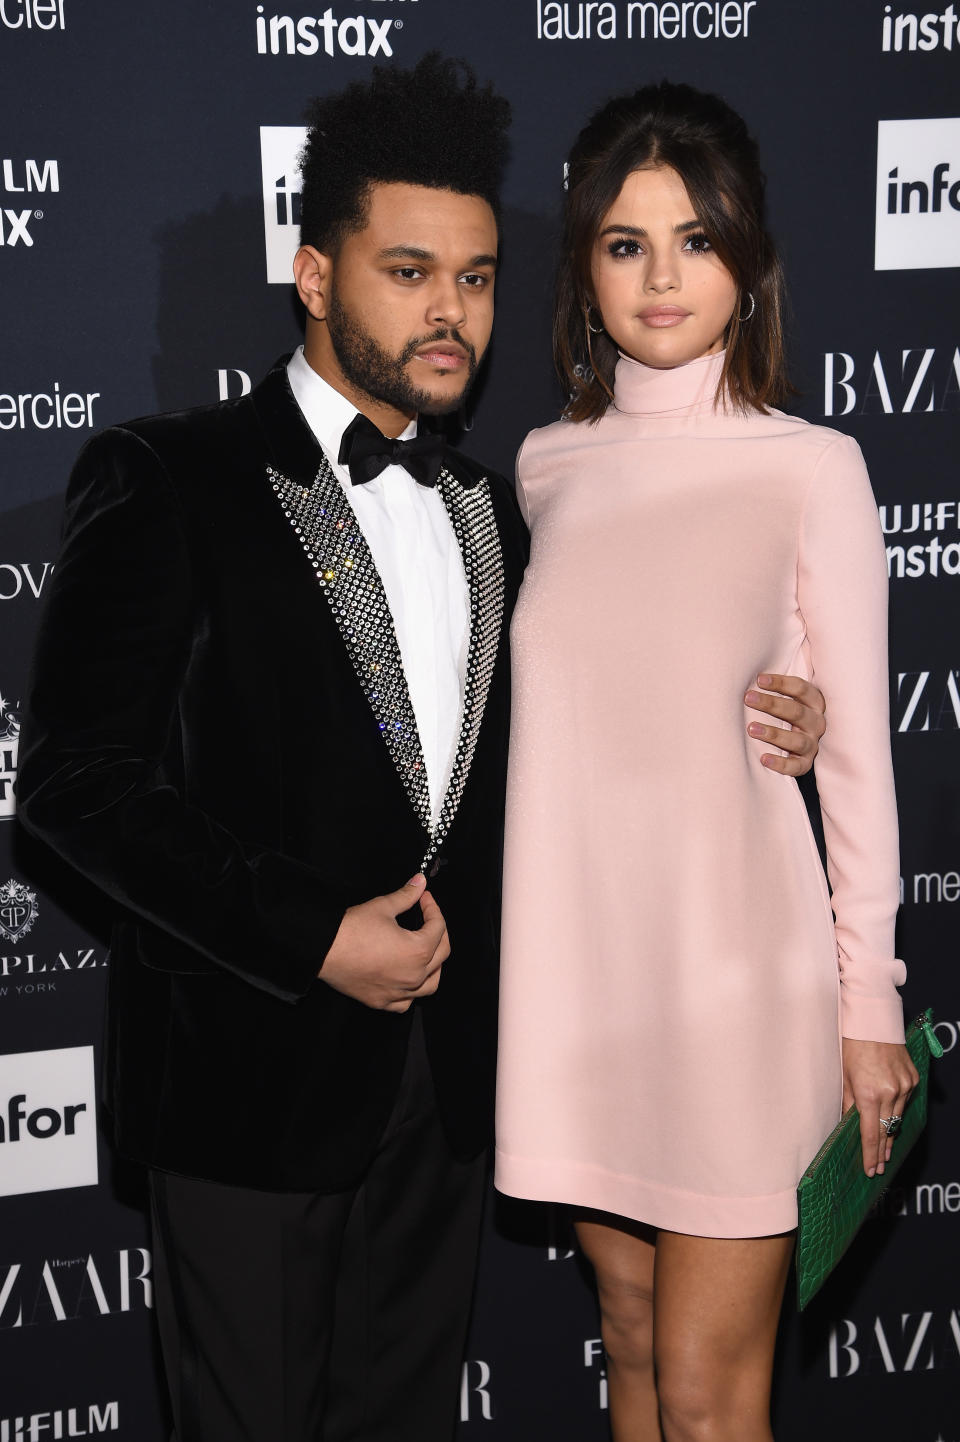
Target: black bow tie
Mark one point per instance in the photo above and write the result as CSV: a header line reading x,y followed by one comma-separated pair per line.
x,y
367,452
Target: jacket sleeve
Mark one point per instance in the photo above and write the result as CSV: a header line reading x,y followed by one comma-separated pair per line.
x,y
100,716
842,588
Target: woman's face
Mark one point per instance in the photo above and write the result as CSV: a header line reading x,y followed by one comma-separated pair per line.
x,y
664,295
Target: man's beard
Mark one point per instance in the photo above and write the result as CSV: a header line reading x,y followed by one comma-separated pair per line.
x,y
383,376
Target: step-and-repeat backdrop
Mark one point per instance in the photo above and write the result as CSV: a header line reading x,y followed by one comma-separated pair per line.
x,y
147,218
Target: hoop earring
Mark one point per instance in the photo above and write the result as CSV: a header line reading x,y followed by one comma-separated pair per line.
x,y
593,329
753,306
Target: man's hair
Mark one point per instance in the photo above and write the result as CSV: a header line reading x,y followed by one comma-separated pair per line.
x,y
432,125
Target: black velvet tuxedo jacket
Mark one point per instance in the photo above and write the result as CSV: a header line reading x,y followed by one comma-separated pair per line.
x,y
219,735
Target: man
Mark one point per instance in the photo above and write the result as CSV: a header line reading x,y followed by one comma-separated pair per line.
x,y
301,1040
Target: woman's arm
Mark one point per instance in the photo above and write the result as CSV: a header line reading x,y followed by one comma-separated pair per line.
x,y
842,589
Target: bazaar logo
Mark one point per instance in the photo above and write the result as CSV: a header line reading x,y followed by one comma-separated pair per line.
x,y
900,382
67,1290
280,147
18,910
9,751
927,701
918,194
911,1342
475,1399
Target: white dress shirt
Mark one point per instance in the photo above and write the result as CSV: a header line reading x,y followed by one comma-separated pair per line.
x,y
415,551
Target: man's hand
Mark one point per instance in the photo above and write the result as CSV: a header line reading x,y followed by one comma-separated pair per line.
x,y
799,703
381,964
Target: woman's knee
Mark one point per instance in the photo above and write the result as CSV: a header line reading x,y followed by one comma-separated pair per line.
x,y
626,1318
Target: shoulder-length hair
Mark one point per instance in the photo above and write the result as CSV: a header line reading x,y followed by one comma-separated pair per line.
x,y
708,145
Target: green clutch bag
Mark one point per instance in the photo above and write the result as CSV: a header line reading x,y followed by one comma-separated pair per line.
x,y
835,1194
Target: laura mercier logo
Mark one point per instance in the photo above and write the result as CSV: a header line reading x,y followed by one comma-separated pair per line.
x,y
280,147
644,19
918,194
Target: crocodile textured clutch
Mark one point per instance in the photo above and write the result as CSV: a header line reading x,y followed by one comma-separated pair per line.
x,y
835,1194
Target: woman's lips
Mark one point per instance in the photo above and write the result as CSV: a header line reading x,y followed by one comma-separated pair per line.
x,y
663,315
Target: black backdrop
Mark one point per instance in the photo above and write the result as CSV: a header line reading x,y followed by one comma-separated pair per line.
x,y
133,273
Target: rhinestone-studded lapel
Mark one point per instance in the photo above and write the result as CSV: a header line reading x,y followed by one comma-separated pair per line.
x,y
470,509
325,523
327,528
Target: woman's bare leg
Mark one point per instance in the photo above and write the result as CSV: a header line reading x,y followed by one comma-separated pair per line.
x,y
716,1312
622,1256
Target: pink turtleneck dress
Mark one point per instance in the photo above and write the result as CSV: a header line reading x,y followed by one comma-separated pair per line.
x,y
674,986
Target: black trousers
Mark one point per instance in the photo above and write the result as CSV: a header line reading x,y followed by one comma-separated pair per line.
x,y
301,1317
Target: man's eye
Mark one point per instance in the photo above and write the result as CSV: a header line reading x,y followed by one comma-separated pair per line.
x,y
474,280
408,272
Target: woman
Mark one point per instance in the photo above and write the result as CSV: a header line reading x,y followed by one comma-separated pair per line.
x,y
673,1006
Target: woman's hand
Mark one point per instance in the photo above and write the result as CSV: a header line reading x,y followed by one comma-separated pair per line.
x,y
802,706
878,1078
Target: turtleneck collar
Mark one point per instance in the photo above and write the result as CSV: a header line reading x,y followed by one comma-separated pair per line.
x,y
686,390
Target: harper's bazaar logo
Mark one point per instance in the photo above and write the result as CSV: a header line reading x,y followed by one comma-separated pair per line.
x,y
67,1291
18,909
892,383
909,1342
928,701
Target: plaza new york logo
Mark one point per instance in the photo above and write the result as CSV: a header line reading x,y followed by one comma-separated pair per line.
x,y
18,910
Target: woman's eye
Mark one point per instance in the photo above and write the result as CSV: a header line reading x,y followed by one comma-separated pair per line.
x,y
698,243
625,247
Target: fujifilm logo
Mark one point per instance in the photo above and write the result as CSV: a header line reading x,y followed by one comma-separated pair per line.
x,y
907,31
90,1421
280,147
918,195
9,751
48,1132
311,34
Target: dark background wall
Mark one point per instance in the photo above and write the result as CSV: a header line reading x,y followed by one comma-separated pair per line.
x,y
133,279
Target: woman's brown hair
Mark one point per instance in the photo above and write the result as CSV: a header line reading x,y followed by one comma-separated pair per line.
x,y
708,145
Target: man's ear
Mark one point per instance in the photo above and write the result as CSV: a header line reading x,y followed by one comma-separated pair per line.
x,y
312,272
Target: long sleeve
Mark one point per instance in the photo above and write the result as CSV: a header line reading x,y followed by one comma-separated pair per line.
x,y
842,589
100,727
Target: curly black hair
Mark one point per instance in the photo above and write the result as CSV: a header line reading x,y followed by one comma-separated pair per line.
x,y
432,125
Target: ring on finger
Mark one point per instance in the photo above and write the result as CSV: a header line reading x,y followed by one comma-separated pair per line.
x,y
891,1125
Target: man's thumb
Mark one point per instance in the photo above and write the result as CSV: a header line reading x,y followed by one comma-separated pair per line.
x,y
407,895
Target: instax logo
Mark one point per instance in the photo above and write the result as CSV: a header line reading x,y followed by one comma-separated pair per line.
x,y
280,147
918,194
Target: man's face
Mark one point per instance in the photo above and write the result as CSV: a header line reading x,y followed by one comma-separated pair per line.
x,y
409,300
